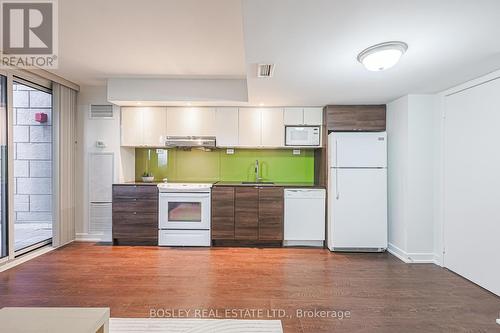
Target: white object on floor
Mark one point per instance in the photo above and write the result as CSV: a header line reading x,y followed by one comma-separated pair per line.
x,y
304,217
176,325
498,321
54,320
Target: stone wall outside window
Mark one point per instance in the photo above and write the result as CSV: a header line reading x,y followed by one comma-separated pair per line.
x,y
32,156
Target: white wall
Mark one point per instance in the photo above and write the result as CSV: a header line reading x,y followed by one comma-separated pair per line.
x,y
471,181
410,128
90,130
444,181
397,165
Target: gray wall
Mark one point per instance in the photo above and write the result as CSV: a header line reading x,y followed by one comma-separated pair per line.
x,y
32,156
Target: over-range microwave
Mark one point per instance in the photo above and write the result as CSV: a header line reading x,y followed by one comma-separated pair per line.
x,y
302,136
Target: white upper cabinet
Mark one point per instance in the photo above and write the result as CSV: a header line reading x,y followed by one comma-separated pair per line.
x,y
313,116
154,124
273,128
232,126
293,116
261,127
131,126
303,116
249,129
143,126
191,121
226,127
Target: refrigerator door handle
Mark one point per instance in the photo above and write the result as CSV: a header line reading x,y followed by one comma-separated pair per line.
x,y
336,153
337,191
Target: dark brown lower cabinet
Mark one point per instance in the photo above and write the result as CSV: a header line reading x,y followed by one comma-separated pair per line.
x,y
271,213
135,215
247,215
223,213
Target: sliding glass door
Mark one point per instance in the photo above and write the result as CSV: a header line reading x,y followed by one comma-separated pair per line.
x,y
3,168
33,149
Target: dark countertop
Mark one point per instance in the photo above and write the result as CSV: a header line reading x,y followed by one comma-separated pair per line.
x,y
138,183
279,184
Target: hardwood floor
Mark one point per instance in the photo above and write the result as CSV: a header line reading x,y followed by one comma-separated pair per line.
x,y
381,293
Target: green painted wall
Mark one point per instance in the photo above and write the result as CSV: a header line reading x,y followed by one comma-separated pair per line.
x,y
278,165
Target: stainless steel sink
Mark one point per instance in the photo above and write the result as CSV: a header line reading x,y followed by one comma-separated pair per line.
x,y
257,183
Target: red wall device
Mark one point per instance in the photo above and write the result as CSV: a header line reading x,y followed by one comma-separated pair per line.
x,y
41,117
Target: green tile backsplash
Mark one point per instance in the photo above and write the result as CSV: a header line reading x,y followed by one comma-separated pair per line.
x,y
278,165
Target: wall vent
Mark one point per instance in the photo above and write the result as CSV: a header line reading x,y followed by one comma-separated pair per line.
x,y
101,111
265,70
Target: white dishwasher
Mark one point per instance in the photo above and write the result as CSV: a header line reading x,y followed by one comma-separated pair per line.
x,y
305,220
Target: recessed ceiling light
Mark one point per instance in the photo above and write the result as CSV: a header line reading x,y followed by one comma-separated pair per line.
x,y
382,56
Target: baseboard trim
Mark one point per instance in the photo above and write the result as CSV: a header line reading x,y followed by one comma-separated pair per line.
x,y
438,260
86,237
304,243
398,253
26,257
412,258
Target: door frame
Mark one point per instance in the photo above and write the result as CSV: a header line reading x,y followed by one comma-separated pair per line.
x,y
11,74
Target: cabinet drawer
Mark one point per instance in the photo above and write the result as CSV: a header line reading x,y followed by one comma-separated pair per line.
x,y
135,218
135,205
135,229
135,191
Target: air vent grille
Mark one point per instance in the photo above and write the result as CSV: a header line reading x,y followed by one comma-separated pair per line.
x,y
265,70
101,111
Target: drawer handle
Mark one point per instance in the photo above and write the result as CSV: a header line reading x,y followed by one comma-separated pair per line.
x,y
135,213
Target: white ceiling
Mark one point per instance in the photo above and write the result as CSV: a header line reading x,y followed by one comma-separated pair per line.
x,y
99,39
314,44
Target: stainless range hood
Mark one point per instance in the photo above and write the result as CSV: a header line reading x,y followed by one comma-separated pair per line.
x,y
190,141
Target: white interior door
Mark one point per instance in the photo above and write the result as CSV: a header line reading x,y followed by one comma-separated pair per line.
x,y
358,203
472,185
358,150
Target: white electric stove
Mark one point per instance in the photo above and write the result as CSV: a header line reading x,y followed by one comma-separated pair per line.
x,y
184,214
184,187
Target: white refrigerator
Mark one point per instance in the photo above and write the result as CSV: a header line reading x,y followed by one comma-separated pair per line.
x,y
357,198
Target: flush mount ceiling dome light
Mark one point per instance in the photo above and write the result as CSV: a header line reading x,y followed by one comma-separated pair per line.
x,y
382,56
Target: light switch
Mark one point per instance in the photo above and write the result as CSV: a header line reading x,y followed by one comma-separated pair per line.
x,y
230,151
296,151
100,144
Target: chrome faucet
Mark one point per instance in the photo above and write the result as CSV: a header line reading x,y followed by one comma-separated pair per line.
x,y
257,178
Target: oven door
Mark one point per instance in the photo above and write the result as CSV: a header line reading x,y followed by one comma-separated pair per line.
x,y
184,211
